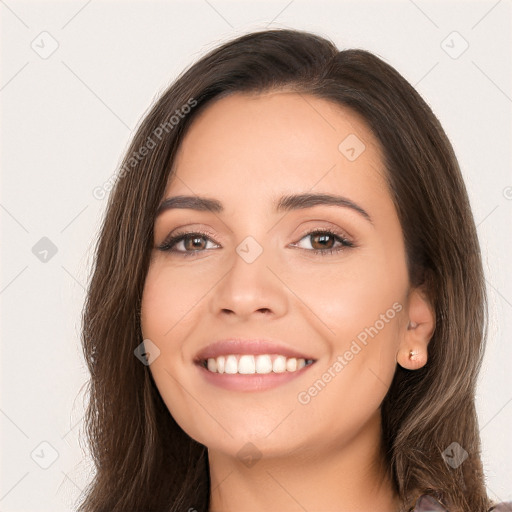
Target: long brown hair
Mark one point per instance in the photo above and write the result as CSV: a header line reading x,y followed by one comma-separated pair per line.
x,y
143,459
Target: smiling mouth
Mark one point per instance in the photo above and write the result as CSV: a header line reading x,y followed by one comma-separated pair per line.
x,y
260,364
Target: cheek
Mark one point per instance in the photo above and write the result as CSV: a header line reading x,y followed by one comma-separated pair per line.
x,y
363,309
358,306
168,296
166,318
352,295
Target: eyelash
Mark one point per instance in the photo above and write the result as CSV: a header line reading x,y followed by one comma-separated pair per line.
x,y
168,244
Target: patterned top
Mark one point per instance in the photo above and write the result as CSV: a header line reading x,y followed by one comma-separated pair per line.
x,y
427,503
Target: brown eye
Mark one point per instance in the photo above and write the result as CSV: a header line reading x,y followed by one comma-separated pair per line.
x,y
188,244
322,241
194,243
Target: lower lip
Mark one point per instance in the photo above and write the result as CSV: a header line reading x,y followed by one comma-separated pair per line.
x,y
251,382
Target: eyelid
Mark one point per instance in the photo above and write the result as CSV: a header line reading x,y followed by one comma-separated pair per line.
x,y
329,229
178,235
341,238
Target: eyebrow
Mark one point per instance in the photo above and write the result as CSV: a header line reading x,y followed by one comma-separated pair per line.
x,y
284,204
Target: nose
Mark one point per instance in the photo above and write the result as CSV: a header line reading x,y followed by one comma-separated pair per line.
x,y
248,289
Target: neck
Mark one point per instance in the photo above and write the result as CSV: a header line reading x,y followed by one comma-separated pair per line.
x,y
347,478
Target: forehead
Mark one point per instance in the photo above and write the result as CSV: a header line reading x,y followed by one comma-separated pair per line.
x,y
278,141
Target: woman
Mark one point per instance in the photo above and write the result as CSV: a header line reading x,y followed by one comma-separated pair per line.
x,y
287,309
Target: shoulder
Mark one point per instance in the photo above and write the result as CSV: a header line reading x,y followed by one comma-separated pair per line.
x,y
502,507
428,503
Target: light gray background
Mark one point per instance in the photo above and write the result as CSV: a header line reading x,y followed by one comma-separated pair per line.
x,y
67,119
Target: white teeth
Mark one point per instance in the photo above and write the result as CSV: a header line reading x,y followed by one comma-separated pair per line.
x,y
291,364
212,365
279,364
246,365
231,365
250,364
263,364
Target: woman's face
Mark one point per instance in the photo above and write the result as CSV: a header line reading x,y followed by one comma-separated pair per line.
x,y
338,297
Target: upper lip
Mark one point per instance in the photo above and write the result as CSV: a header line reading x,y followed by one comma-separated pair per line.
x,y
247,346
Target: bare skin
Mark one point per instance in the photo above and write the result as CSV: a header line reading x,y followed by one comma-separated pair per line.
x,y
316,450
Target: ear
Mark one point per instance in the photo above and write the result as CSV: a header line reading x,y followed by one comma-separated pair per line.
x,y
417,331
